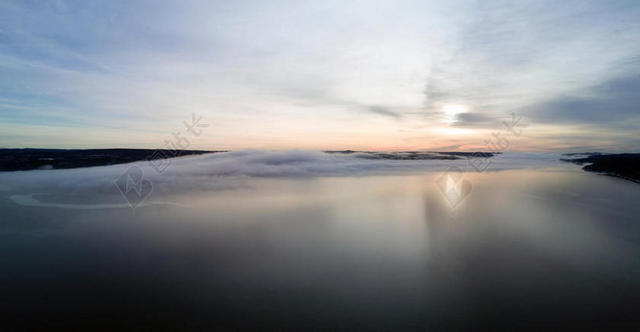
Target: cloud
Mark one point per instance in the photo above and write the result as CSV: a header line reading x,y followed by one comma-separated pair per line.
x,y
476,120
613,104
377,109
227,171
191,170
563,63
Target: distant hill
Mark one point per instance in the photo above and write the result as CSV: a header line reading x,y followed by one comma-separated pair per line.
x,y
29,159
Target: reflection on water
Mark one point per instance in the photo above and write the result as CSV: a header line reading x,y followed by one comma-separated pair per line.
x,y
525,248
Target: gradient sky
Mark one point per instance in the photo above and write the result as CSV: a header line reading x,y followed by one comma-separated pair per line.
x,y
321,74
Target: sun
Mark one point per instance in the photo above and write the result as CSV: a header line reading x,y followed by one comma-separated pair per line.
x,y
451,110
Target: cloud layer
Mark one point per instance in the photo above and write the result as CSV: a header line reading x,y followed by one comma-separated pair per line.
x,y
218,169
332,75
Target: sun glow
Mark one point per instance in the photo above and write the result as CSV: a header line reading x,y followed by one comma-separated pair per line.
x,y
452,110
454,131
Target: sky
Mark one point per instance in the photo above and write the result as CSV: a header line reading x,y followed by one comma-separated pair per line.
x,y
361,75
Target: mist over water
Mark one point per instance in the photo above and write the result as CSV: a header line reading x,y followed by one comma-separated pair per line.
x,y
256,239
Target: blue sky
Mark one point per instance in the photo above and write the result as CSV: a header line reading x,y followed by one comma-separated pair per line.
x,y
320,75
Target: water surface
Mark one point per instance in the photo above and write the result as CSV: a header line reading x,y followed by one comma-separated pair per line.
x,y
527,247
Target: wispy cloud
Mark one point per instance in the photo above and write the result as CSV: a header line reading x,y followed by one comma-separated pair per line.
x,y
383,111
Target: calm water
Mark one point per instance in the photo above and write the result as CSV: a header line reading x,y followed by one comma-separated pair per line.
x,y
526,247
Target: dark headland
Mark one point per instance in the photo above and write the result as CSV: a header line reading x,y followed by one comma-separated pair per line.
x,y
28,159
624,165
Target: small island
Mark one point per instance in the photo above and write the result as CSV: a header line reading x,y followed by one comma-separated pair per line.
x,y
413,155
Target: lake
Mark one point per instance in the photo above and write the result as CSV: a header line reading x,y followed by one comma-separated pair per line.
x,y
301,240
